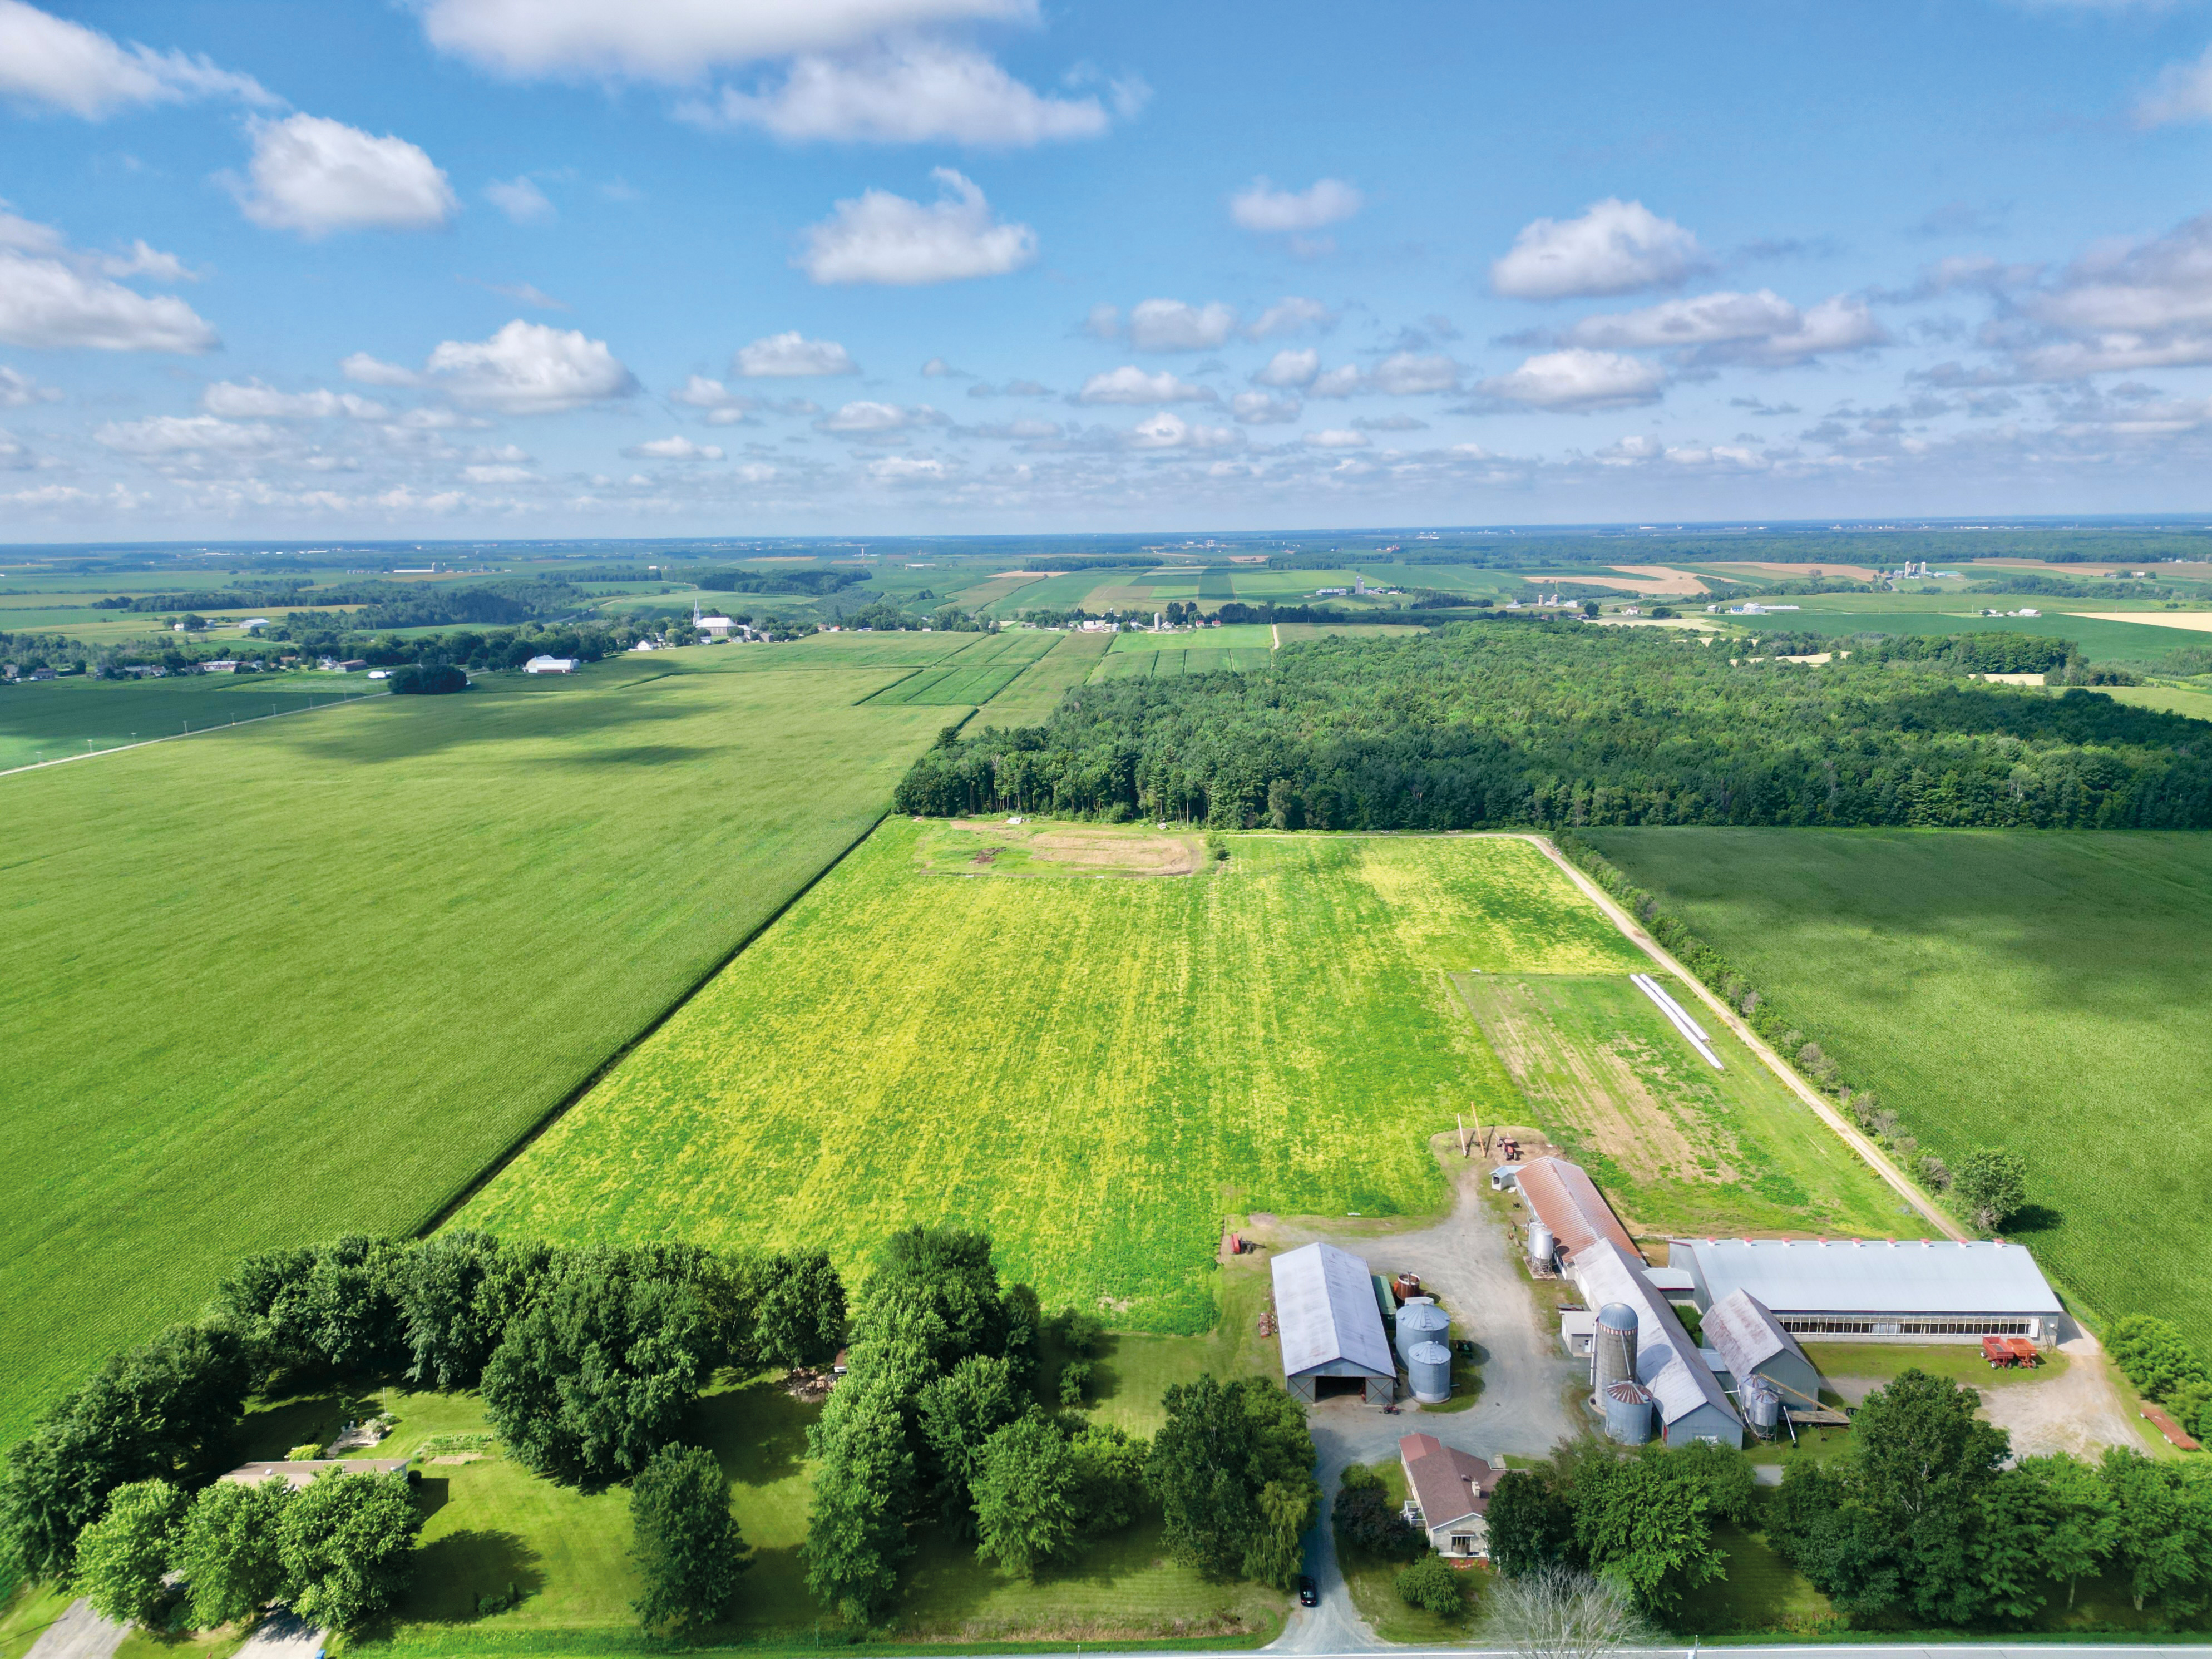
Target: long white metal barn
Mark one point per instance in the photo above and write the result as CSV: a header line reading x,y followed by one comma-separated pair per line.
x,y
1913,1290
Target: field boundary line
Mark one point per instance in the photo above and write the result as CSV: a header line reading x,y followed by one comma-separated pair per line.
x,y
522,1143
1874,1156
179,737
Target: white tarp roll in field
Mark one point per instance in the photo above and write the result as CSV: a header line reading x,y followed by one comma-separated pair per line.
x,y
1679,1018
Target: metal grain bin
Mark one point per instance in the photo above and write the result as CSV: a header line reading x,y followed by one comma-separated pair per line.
x,y
1613,1347
1419,1322
1627,1413
1762,1407
1542,1245
1428,1364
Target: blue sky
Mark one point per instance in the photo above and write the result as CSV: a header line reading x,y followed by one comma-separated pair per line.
x,y
697,267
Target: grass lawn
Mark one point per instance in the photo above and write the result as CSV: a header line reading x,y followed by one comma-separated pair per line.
x,y
1373,1583
1761,1592
313,976
1961,1361
2040,990
49,719
1678,1147
1095,1073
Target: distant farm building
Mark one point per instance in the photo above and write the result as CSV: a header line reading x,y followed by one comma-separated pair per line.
x,y
1330,1327
718,627
1878,1289
550,665
1452,1490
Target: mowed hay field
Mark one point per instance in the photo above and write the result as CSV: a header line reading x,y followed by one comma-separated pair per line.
x,y
1097,1070
49,718
314,974
2041,990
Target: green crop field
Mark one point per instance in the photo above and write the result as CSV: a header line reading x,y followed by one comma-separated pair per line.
x,y
1140,664
313,975
1097,1070
973,675
48,719
2100,641
2040,990
1229,636
1678,1147
1031,699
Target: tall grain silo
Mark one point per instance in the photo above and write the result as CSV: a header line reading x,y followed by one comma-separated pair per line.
x,y
1613,1347
1428,1365
1419,1322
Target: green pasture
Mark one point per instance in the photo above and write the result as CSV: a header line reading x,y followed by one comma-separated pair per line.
x,y
1679,1148
1095,1071
1230,636
313,976
1297,633
1031,699
2168,699
1205,658
46,720
1059,592
2101,642
2039,990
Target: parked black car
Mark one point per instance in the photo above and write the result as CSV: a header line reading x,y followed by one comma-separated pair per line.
x,y
1309,1592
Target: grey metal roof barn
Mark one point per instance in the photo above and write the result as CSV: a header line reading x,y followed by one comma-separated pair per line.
x,y
1330,1327
1751,1342
1693,1405
1877,1290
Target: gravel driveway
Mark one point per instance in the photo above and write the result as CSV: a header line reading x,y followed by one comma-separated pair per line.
x,y
1469,1263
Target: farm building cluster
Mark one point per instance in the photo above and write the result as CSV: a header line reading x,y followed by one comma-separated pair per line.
x,y
1754,1299
1331,1314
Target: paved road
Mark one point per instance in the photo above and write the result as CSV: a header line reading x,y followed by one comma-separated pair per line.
x,y
1468,1261
79,1633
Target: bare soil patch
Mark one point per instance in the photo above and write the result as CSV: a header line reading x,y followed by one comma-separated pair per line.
x,y
1149,855
1857,573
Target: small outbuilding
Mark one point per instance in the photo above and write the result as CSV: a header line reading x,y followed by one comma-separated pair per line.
x,y
550,665
1331,1328
1451,1489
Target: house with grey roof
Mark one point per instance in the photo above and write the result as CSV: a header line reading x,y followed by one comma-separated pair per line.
x,y
1330,1327
1879,1290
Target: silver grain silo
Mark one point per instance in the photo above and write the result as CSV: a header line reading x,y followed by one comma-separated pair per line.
x,y
1613,1347
1428,1364
1542,1245
1762,1406
1627,1413
1419,1322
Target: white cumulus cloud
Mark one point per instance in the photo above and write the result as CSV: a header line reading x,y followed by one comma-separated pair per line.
x,y
20,391
1260,206
908,92
1336,438
1290,368
173,435
52,301
255,400
1131,385
792,355
1291,315
865,415
2183,91
1175,326
47,60
679,448
315,175
877,237
530,368
1412,373
907,469
1614,247
1576,379
1761,328
1258,409
359,365
675,40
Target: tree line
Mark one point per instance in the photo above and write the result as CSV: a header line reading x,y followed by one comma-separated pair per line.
x,y
1518,721
1926,1520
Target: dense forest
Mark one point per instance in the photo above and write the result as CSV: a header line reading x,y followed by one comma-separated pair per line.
x,y
1516,721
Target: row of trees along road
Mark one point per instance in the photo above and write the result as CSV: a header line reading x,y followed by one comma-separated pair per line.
x,y
1925,1521
589,1361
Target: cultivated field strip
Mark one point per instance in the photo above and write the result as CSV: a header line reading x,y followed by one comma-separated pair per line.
x,y
1031,699
2039,990
311,976
1096,1070
973,676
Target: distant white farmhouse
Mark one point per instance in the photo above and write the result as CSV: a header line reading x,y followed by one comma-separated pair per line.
x,y
550,665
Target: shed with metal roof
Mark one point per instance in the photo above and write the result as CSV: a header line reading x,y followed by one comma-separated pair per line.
x,y
1565,1198
1751,1342
1917,1290
1331,1328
